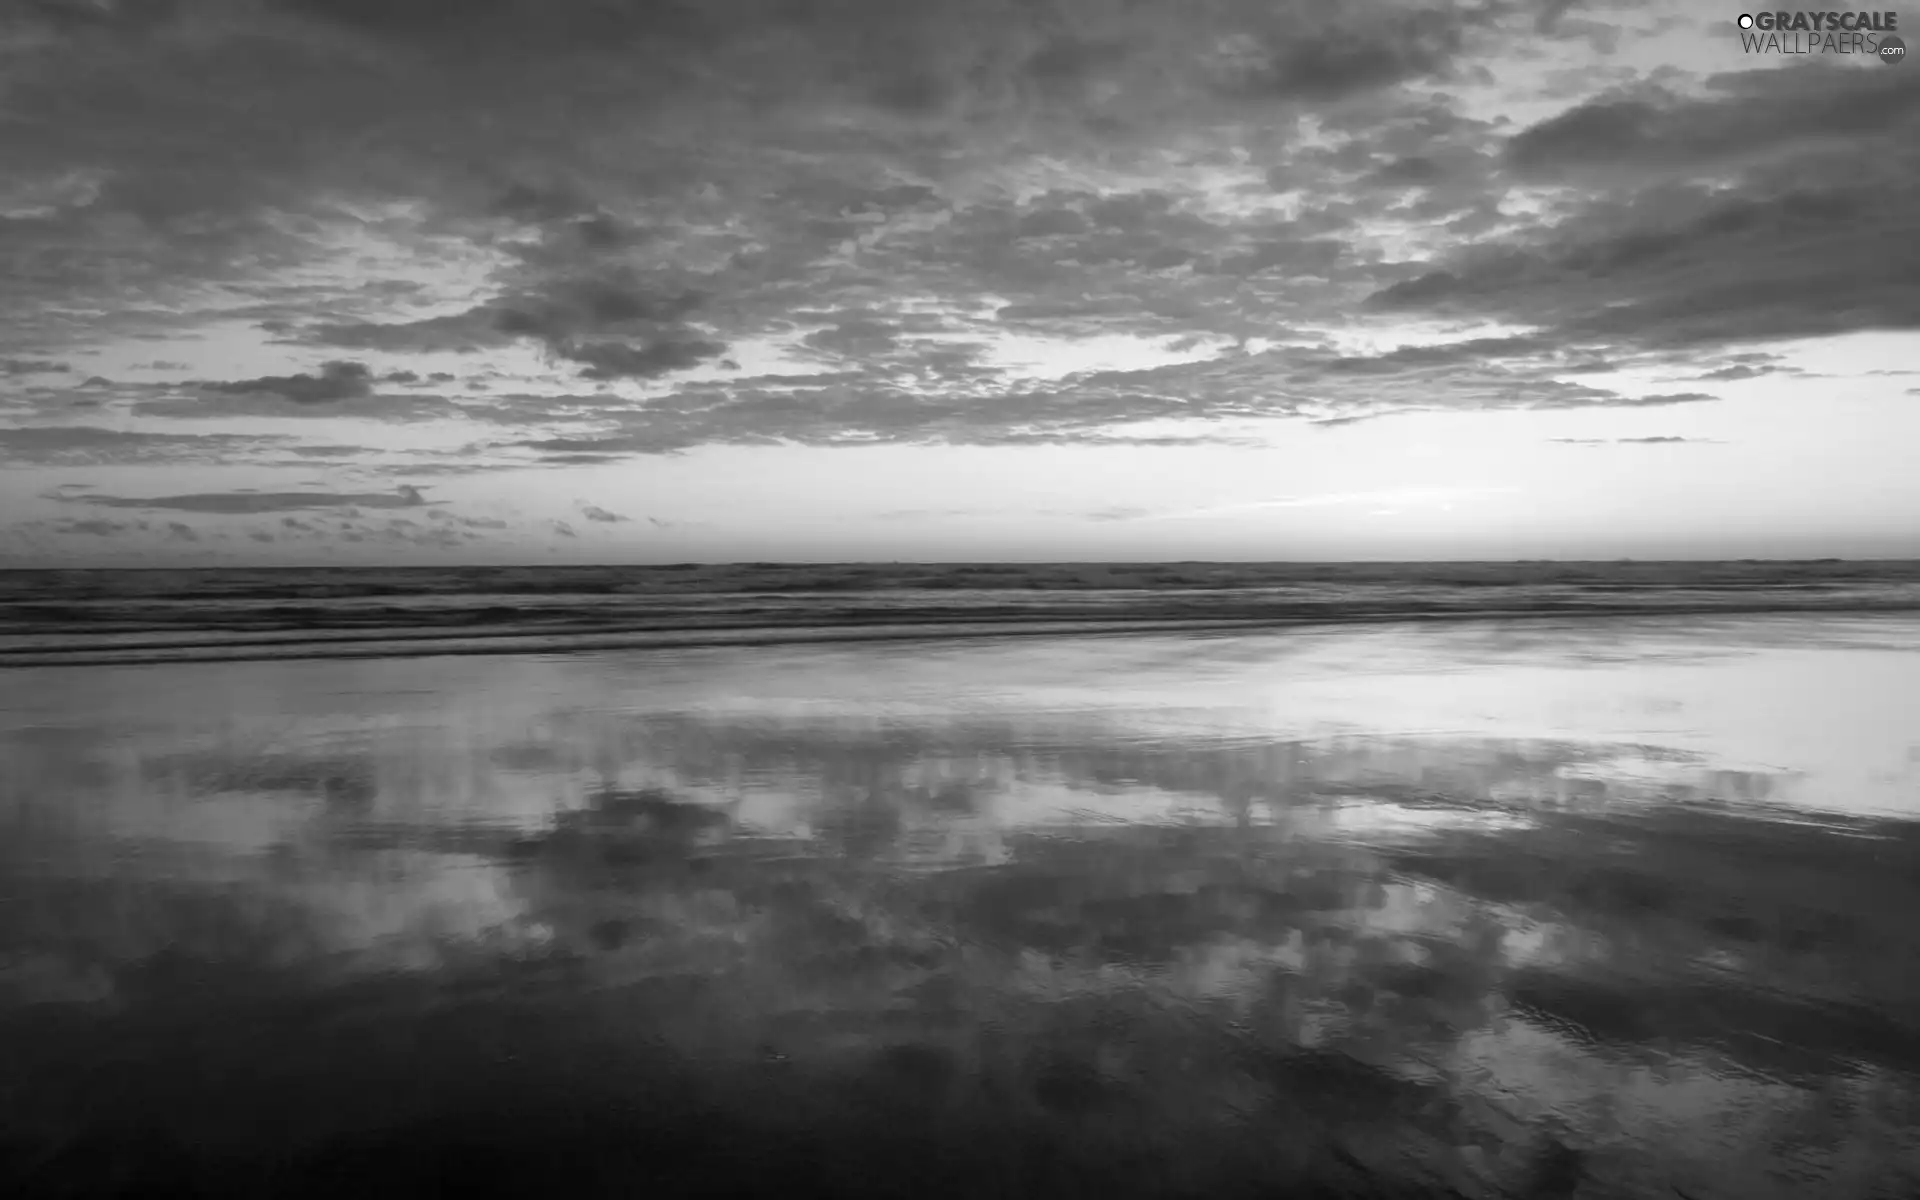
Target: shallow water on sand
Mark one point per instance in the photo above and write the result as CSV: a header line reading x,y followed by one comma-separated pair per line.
x,y
1607,907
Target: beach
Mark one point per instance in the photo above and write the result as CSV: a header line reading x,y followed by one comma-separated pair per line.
x,y
874,599
1574,904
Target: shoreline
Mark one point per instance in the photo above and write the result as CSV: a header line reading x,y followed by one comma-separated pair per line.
x,y
430,643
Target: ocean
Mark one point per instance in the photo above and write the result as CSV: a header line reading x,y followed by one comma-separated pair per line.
x,y
1486,880
163,615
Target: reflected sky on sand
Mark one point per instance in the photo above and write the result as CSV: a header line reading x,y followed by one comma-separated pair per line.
x,y
1584,908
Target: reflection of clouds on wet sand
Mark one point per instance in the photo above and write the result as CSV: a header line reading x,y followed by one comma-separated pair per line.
x,y
1500,913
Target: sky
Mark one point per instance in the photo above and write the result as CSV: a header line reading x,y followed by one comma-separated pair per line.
x,y
395,282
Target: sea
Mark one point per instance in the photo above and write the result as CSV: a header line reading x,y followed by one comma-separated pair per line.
x,y
1562,880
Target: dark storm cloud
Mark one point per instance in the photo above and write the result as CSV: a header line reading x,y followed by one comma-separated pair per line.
x,y
256,502
335,381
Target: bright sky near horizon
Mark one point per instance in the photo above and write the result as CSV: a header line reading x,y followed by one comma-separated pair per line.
x,y
473,281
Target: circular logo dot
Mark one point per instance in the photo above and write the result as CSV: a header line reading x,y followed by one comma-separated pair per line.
x,y
1892,50
1746,21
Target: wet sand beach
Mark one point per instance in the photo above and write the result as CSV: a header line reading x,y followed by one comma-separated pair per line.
x,y
1562,907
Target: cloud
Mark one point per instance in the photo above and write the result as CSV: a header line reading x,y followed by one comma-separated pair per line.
x,y
1756,207
943,205
95,527
1715,271
463,333
328,451
605,317
1327,54
73,445
580,460
464,522
164,401
566,308
255,502
31,366
610,317
335,381
1737,117
1662,399
1736,372
619,360
1632,441
426,466
540,203
1089,407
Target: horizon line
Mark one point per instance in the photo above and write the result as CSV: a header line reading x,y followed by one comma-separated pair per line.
x,y
982,562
